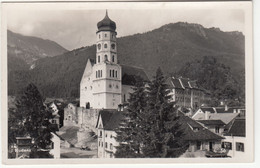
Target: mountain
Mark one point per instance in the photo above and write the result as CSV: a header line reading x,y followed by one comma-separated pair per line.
x,y
170,47
30,49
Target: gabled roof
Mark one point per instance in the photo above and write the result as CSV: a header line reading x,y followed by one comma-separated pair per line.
x,y
183,83
110,119
236,127
201,133
225,117
176,83
212,122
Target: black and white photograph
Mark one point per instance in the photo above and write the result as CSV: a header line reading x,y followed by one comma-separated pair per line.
x,y
104,81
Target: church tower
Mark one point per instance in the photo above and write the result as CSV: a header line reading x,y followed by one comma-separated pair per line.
x,y
104,78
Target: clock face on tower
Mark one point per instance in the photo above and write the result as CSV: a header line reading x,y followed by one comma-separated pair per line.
x,y
113,46
99,46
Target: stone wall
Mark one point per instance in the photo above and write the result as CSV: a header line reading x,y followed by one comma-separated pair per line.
x,y
87,118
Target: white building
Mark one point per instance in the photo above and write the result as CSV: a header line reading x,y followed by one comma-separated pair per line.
x,y
235,138
108,121
103,85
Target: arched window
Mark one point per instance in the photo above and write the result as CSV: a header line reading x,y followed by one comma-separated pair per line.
x,y
110,73
101,73
105,45
113,74
113,58
96,74
111,146
98,59
106,145
105,57
116,74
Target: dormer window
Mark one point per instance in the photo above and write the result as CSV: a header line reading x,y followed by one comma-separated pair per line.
x,y
196,129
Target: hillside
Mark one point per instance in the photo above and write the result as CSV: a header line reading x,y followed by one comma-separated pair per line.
x,y
170,47
30,49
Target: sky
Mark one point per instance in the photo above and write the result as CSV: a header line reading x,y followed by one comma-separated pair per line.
x,y
75,28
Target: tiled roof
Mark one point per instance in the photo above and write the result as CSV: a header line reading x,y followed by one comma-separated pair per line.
x,y
211,122
225,117
110,119
236,127
185,82
176,83
202,133
130,72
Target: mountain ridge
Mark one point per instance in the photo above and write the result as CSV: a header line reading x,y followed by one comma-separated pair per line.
x,y
168,47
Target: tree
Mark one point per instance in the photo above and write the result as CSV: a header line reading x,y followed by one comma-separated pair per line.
x,y
31,118
129,134
163,136
150,125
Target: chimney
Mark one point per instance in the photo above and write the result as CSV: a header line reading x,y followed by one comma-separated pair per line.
x,y
207,115
226,107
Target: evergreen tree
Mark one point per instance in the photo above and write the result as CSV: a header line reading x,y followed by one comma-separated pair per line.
x,y
129,134
31,118
163,136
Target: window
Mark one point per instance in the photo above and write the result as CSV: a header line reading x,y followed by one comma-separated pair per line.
x,y
113,73
99,143
110,86
239,146
105,35
105,57
116,74
101,73
90,87
106,145
111,136
117,86
99,36
124,98
106,135
99,46
113,46
100,133
86,88
98,59
111,146
111,155
113,58
102,144
110,73
105,45
198,145
216,129
96,74
227,145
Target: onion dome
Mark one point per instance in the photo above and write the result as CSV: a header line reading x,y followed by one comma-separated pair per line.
x,y
106,24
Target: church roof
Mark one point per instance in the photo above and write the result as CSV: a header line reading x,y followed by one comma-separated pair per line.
x,y
106,24
129,74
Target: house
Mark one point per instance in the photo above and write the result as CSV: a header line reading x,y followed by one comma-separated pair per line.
x,y
210,113
57,108
235,138
55,145
216,126
199,137
186,93
108,122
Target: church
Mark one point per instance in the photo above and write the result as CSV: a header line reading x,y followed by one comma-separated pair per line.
x,y
105,83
